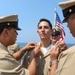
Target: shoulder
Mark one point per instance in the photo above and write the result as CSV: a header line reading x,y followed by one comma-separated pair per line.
x,y
14,47
67,52
70,50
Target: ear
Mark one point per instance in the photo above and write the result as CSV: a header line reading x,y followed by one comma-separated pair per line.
x,y
5,32
37,31
51,31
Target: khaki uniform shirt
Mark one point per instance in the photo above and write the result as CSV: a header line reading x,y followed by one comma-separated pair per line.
x,y
8,65
66,65
43,62
13,48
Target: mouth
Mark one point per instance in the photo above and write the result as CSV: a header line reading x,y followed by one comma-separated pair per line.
x,y
43,34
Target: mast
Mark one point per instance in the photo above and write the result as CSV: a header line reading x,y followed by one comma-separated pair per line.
x,y
54,16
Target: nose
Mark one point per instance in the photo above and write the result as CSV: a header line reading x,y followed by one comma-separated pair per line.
x,y
16,33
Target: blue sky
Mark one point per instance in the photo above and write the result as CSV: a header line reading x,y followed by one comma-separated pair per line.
x,y
30,12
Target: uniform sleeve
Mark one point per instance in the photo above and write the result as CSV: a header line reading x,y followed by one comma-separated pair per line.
x,y
27,59
9,66
21,72
66,64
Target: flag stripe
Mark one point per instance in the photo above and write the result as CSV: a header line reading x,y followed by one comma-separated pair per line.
x,y
60,26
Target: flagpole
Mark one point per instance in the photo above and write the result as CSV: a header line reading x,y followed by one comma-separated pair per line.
x,y
54,16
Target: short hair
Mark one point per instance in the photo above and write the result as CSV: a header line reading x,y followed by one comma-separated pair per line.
x,y
1,29
43,19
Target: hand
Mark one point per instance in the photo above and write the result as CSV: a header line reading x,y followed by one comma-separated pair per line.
x,y
62,45
54,53
29,46
36,51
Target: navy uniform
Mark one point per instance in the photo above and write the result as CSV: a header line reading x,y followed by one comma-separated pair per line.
x,y
13,48
43,62
66,65
9,65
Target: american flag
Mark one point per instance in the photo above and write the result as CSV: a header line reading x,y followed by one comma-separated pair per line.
x,y
60,26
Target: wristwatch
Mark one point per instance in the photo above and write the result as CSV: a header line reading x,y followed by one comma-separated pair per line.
x,y
53,62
